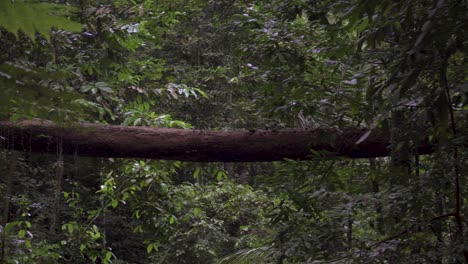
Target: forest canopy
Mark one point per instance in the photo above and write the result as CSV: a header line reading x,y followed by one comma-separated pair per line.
x,y
131,131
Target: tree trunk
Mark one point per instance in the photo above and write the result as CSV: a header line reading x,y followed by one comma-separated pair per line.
x,y
7,195
195,145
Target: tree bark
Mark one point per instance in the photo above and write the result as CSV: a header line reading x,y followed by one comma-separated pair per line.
x,y
195,145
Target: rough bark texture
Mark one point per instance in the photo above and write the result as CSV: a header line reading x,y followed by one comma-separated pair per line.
x,y
193,145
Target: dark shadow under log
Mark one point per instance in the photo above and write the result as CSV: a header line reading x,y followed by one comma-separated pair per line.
x,y
98,140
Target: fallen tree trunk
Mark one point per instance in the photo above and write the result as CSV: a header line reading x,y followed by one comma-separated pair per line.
x,y
193,145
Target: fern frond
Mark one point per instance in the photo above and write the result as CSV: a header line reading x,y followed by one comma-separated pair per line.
x,y
34,18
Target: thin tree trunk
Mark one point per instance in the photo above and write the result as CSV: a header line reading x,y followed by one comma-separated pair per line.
x,y
401,152
59,167
376,189
6,207
349,233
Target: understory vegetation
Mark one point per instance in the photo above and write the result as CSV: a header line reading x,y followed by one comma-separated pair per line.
x,y
395,66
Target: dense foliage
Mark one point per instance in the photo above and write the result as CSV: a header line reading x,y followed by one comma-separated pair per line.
x,y
401,66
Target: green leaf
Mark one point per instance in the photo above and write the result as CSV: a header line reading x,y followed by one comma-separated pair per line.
x,y
9,226
138,229
27,243
163,187
196,173
149,248
108,255
86,88
34,18
70,228
196,211
220,175
137,214
104,87
172,220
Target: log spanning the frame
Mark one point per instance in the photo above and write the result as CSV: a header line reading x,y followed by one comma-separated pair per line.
x,y
114,141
